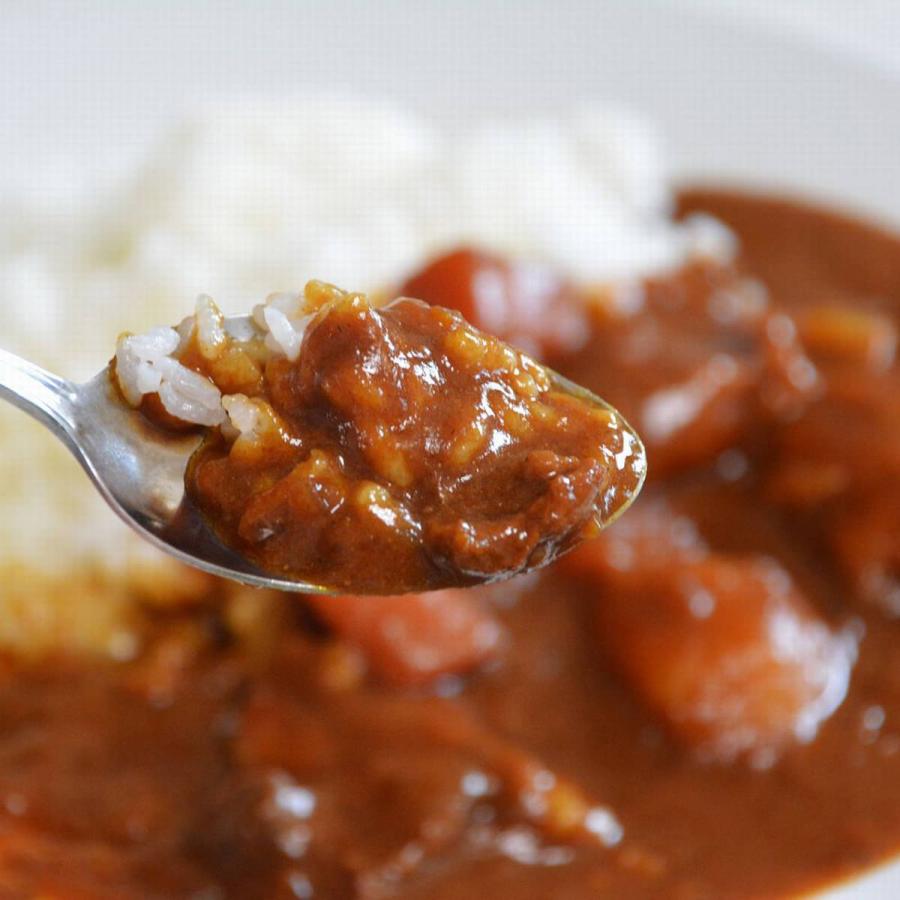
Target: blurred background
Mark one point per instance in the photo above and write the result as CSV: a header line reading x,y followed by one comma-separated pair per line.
x,y
99,77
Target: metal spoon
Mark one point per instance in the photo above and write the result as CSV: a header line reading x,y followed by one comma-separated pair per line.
x,y
139,469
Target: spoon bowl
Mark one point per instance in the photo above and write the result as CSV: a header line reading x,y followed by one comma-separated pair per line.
x,y
139,469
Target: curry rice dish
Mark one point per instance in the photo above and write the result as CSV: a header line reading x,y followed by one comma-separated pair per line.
x,y
701,702
340,434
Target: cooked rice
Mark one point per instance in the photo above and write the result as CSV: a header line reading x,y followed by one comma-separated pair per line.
x,y
249,421
149,363
209,322
256,196
145,365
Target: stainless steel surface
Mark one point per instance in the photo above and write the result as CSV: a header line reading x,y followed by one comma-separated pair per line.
x,y
139,469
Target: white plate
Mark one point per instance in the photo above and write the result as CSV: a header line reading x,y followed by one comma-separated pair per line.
x,y
88,83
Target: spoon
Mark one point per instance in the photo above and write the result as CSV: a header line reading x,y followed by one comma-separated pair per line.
x,y
139,469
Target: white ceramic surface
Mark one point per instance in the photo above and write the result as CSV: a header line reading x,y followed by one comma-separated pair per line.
x,y
83,85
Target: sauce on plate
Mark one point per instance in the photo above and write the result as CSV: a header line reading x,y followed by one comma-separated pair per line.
x,y
704,702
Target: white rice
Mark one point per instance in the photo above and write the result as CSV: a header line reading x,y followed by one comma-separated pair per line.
x,y
138,359
188,395
148,363
248,419
248,198
243,414
211,336
284,333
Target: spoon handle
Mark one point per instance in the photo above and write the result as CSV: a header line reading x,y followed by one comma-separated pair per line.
x,y
44,396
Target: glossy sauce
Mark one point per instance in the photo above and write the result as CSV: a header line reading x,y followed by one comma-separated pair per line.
x,y
405,450
545,738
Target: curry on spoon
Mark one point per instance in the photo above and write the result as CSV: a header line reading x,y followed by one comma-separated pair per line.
x,y
326,444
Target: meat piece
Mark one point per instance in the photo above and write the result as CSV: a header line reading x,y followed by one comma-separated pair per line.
x,y
696,361
838,467
396,783
865,537
852,431
402,434
411,639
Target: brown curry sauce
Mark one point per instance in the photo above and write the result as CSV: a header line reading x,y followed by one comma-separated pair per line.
x,y
294,763
403,434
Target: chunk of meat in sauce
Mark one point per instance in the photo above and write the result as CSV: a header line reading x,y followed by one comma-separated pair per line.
x,y
848,441
864,537
450,784
411,639
838,466
724,648
403,433
527,304
693,358
697,361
